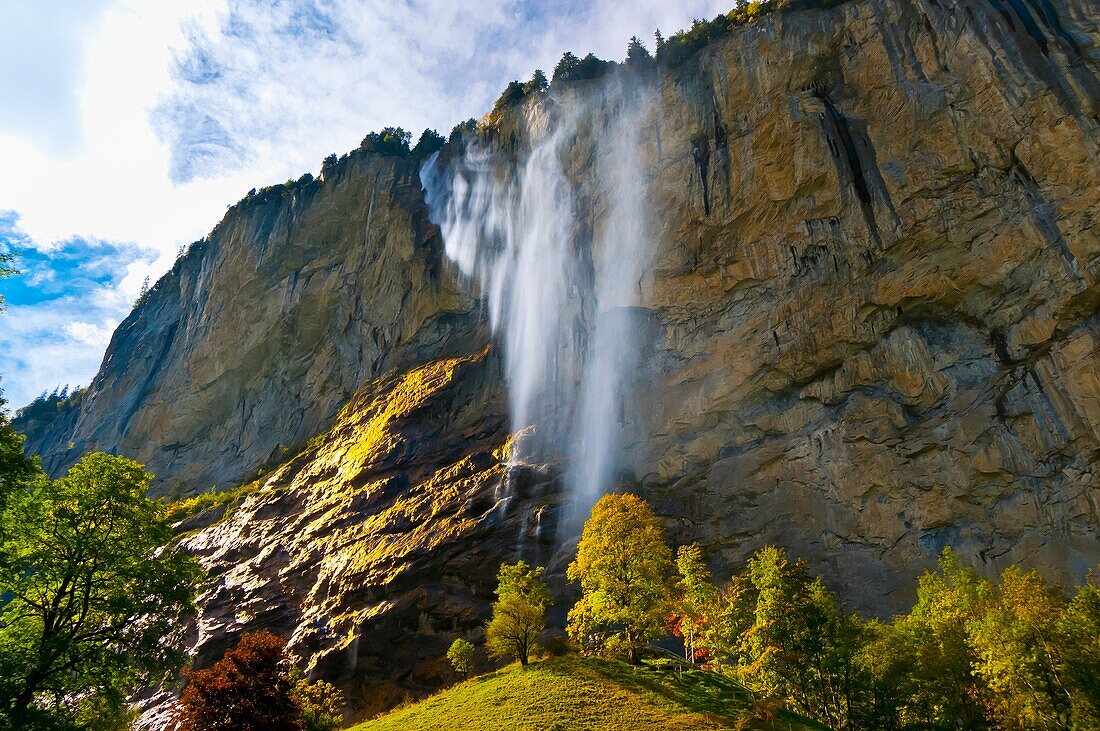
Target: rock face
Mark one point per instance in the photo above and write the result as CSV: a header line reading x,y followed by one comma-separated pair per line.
x,y
874,308
263,331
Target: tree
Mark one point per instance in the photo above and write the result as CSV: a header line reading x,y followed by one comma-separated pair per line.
x,y
623,565
95,595
698,598
7,269
16,468
393,141
637,55
320,704
536,84
143,294
461,655
519,613
1079,628
249,689
566,66
430,141
786,638
512,95
1019,652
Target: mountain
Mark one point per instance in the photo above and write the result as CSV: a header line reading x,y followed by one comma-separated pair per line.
x,y
864,324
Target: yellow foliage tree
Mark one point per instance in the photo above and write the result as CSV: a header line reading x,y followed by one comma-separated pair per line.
x,y
623,565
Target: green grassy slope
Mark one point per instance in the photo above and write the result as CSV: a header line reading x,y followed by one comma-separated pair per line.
x,y
574,694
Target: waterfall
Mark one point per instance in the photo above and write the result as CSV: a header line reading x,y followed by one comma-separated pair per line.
x,y
557,238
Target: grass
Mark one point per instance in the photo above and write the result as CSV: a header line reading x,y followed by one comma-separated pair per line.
x,y
183,509
571,693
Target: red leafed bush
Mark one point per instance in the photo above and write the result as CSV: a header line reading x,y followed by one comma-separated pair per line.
x,y
247,690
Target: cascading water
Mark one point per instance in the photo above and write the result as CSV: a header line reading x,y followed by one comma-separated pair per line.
x,y
560,253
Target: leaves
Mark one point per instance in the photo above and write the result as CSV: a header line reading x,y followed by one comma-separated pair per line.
x,y
97,595
519,612
623,565
249,689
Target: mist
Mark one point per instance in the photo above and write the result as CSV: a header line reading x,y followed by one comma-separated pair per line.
x,y
561,269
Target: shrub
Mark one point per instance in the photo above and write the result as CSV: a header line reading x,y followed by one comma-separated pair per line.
x,y
249,688
461,655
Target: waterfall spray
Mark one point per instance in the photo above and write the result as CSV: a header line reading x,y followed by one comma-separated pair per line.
x,y
561,270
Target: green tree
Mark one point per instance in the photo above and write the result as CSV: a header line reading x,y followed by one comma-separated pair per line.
x,y
461,655
698,599
513,94
519,613
320,704
1019,653
623,566
638,57
16,468
921,666
1079,629
7,269
536,84
430,141
95,596
786,638
393,141
566,67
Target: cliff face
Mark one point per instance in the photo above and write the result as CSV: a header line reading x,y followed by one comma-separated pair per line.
x,y
874,333
258,336
878,298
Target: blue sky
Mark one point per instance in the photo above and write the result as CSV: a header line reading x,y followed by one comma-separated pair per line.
x,y
128,126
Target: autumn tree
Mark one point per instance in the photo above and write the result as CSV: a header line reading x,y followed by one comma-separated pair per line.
x,y
519,613
623,565
249,689
94,595
697,600
461,655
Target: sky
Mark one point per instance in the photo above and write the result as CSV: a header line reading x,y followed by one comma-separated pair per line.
x,y
127,127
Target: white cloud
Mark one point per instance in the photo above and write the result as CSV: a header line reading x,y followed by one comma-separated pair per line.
x,y
89,333
58,343
175,108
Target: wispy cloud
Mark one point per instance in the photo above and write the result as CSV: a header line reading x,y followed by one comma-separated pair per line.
x,y
61,309
137,121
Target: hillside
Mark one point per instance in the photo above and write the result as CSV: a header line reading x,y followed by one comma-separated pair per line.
x,y
573,694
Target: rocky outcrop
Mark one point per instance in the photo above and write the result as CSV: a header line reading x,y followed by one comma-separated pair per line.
x,y
874,314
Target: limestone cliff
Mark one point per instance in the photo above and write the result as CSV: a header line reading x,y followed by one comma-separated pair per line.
x,y
874,333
